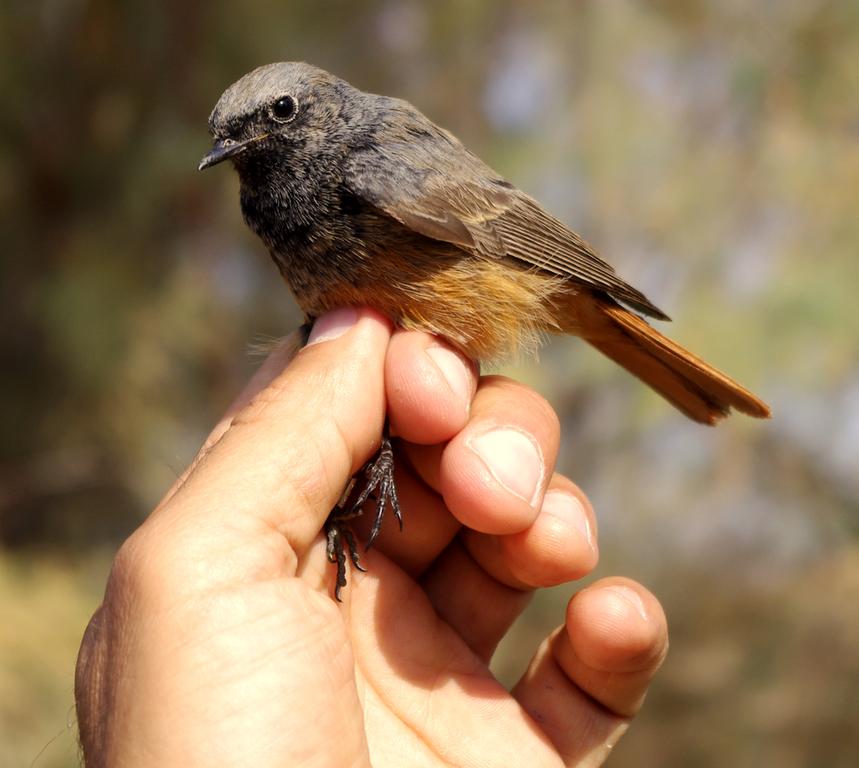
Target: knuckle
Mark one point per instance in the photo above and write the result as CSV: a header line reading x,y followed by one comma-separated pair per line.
x,y
128,572
509,395
144,570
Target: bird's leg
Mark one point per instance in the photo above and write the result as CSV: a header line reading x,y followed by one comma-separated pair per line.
x,y
337,531
379,473
380,487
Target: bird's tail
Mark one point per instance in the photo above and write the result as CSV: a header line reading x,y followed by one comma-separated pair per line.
x,y
697,389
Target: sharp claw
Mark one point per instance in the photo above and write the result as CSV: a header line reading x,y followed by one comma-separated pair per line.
x,y
379,475
335,553
395,504
353,549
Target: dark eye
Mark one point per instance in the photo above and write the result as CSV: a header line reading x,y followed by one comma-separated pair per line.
x,y
283,109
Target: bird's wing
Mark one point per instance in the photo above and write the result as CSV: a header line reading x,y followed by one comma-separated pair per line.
x,y
423,177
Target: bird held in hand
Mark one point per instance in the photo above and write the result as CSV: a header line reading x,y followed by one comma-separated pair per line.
x,y
362,200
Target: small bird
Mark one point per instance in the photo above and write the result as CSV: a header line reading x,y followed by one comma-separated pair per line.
x,y
362,200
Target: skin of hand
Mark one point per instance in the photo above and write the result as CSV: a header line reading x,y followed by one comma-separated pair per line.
x,y
219,642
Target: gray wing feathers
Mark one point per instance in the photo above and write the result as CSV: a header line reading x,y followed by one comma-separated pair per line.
x,y
436,187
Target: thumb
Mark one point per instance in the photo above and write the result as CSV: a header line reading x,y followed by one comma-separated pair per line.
x,y
286,456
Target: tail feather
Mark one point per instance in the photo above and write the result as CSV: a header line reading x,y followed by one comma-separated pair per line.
x,y
702,392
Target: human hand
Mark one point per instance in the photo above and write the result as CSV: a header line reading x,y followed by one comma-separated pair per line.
x,y
219,641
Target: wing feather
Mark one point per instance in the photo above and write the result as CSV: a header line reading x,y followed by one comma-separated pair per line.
x,y
423,177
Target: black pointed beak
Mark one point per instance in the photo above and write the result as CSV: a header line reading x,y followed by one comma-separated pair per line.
x,y
223,149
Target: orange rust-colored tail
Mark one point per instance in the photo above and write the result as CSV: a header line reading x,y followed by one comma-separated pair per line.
x,y
685,380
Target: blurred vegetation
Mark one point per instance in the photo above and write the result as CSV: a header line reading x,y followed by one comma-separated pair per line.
x,y
709,149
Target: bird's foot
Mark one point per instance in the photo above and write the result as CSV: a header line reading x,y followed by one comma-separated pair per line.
x,y
381,488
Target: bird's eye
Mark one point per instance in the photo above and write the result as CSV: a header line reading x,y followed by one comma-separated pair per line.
x,y
283,110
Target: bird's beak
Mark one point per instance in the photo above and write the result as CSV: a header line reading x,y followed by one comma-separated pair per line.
x,y
224,149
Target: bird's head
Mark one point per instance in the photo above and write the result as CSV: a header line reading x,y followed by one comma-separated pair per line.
x,y
282,108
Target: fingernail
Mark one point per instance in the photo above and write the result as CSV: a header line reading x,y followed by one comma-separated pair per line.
x,y
513,458
632,597
332,325
567,507
454,371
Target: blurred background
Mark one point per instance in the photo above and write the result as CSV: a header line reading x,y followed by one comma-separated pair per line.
x,y
710,150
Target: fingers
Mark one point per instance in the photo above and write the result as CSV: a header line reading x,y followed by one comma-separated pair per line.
x,y
493,473
481,583
559,546
590,677
616,639
287,454
478,607
463,482
429,387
